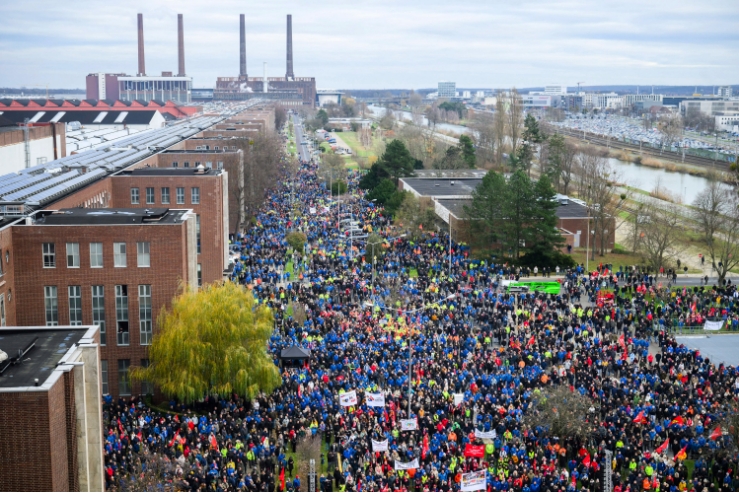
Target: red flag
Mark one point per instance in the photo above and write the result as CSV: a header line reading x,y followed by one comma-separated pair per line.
x,y
677,421
716,433
213,443
622,341
474,450
531,341
682,454
586,461
661,449
282,478
425,448
640,419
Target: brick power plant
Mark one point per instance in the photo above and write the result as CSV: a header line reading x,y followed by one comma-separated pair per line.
x,y
289,91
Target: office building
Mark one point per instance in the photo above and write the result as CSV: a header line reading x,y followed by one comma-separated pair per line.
x,y
447,90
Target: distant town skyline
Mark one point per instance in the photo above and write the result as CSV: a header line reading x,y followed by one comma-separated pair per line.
x,y
382,45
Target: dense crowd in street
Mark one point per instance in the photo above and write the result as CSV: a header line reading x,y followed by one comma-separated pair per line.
x,y
455,364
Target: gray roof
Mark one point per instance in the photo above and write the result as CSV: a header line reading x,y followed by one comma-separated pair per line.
x,y
170,172
456,206
449,173
442,187
571,209
45,349
96,217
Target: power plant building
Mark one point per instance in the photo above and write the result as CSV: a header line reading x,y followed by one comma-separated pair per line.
x,y
288,90
142,87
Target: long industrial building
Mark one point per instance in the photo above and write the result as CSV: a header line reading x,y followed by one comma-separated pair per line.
x,y
289,91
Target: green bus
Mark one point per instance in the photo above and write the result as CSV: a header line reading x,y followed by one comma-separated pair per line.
x,y
549,287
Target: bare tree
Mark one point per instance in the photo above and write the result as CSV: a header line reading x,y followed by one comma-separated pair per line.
x,y
499,129
716,210
484,135
568,163
671,128
332,168
308,448
595,183
515,118
564,413
264,163
660,233
415,218
155,472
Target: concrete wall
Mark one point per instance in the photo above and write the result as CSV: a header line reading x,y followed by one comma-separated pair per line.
x,y
41,145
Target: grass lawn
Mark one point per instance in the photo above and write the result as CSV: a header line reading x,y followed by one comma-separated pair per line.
x,y
351,140
413,273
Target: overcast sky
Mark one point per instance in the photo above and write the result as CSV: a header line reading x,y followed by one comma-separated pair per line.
x,y
380,43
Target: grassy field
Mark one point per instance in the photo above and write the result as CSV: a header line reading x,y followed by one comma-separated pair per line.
x,y
351,140
617,259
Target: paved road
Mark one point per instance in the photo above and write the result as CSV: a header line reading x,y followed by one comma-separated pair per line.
x,y
719,348
302,149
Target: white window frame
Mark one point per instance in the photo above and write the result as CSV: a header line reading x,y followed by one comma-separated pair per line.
x,y
98,311
75,305
73,255
143,254
119,257
51,306
123,338
145,317
165,196
195,195
135,196
96,255
48,255
180,195
127,379
150,195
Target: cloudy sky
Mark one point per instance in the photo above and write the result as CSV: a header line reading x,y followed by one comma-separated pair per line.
x,y
381,43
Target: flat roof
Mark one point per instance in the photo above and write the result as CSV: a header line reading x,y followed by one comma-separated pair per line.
x,y
571,209
443,187
197,151
447,173
46,348
93,217
169,172
456,206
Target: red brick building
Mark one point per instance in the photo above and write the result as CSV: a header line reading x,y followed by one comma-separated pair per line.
x,y
50,409
115,268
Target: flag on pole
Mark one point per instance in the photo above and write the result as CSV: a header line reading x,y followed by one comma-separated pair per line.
x,y
682,454
640,418
661,449
716,434
282,478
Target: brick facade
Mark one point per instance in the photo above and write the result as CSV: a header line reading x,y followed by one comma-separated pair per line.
x,y
169,270
210,209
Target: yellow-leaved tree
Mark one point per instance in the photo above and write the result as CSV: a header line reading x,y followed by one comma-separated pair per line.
x,y
212,342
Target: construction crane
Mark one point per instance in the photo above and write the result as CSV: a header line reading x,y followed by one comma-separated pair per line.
x,y
578,86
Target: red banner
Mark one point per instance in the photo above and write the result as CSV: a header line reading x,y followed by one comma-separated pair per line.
x,y
474,451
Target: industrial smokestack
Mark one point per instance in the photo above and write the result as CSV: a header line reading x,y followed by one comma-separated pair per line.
x,y
142,66
180,46
289,75
242,47
265,83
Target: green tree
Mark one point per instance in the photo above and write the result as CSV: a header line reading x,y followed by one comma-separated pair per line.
x,y
556,149
373,177
338,188
383,192
322,117
468,150
543,235
296,239
396,160
212,342
518,209
531,136
486,210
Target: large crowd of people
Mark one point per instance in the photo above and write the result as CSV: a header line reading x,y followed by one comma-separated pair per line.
x,y
457,365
